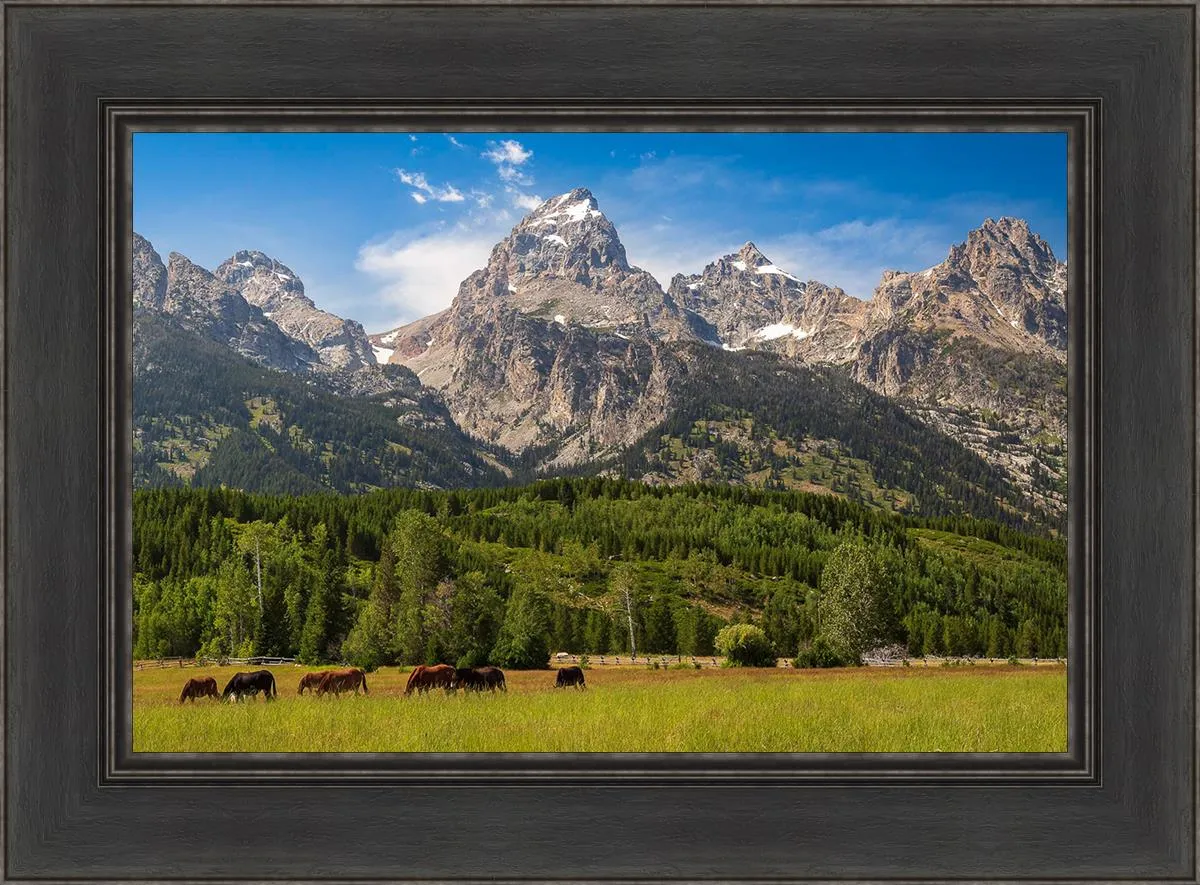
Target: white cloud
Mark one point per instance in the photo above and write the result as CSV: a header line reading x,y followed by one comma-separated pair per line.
x,y
454,141
419,197
447,194
418,272
507,156
507,153
528,202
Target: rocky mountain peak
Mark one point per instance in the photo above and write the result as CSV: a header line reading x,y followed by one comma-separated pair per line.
x,y
1001,286
744,300
149,275
751,255
278,291
567,236
262,280
1004,241
185,277
563,263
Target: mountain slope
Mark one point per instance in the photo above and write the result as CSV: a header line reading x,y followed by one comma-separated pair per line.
x,y
203,414
975,345
761,419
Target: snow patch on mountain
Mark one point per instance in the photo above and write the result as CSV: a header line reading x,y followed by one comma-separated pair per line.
x,y
779,330
771,268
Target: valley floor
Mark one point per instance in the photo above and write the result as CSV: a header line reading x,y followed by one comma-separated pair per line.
x,y
628,709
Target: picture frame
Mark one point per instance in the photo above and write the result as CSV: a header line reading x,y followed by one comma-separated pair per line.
x,y
1120,804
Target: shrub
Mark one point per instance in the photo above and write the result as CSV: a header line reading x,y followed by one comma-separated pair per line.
x,y
745,645
818,653
584,662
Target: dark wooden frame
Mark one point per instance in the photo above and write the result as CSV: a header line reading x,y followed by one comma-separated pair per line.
x,y
1120,804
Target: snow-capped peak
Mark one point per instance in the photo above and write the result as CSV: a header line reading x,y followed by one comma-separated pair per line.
x,y
569,208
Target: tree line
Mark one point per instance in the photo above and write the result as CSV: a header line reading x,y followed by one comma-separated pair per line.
x,y
586,565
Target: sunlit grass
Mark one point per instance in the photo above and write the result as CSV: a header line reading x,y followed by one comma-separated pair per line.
x,y
970,709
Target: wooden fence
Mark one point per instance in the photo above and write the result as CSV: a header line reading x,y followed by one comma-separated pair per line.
x,y
663,661
211,662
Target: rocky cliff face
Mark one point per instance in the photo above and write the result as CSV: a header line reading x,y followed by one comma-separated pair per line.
x,y
557,342
205,305
278,292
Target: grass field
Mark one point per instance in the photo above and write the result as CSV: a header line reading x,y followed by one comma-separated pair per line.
x,y
630,709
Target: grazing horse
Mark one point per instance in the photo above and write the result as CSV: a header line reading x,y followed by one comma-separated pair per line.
x,y
338,681
480,679
569,676
243,684
203,687
424,678
312,680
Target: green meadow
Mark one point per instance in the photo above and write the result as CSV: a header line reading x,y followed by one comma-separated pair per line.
x,y
628,709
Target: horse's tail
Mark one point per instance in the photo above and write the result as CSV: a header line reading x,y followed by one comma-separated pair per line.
x,y
272,693
183,694
364,682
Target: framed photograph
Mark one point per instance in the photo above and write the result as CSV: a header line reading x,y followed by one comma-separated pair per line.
x,y
593,442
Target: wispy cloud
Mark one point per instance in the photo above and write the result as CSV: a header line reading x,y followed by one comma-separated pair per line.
x,y
528,202
425,190
509,156
508,152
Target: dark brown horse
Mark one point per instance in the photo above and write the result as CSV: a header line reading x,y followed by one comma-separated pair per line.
x,y
424,678
243,684
480,679
569,676
202,687
312,680
338,681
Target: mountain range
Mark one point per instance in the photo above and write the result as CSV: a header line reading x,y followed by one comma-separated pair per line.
x,y
945,393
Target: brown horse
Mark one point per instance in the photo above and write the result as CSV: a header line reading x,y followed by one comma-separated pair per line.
x,y
338,681
424,678
203,687
480,679
312,680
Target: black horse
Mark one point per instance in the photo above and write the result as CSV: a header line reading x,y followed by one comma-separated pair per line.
x,y
480,679
569,676
243,684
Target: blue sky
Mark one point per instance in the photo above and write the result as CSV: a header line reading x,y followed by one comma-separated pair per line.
x,y
382,227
